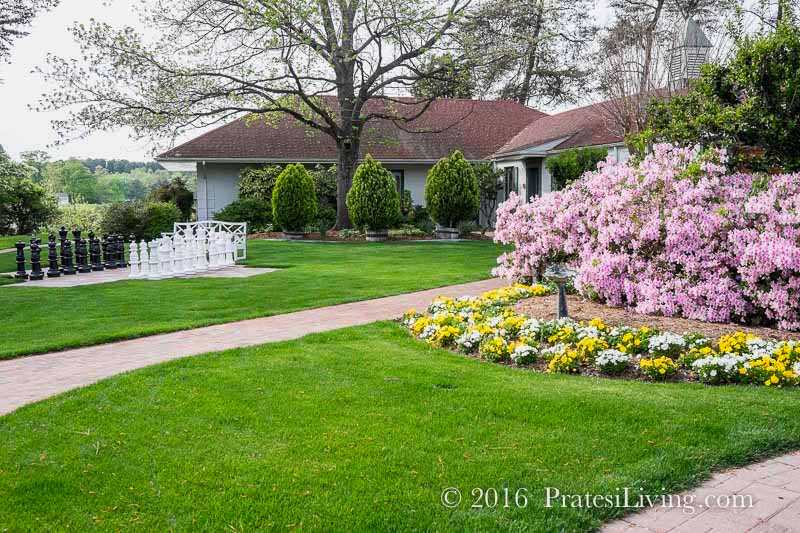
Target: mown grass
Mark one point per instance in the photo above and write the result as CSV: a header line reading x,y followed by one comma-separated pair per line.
x,y
361,429
313,275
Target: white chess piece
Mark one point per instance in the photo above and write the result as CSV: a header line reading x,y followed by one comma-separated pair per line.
x,y
155,261
134,261
202,260
220,249
188,255
229,259
144,261
178,249
213,253
192,253
165,257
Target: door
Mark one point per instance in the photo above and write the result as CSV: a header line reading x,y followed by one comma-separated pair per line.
x,y
534,182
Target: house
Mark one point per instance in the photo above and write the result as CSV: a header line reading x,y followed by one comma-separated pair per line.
x,y
516,137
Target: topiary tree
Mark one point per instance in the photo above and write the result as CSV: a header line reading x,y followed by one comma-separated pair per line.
x,y
373,201
451,191
294,200
489,184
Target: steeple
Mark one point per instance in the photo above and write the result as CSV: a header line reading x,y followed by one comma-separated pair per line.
x,y
688,54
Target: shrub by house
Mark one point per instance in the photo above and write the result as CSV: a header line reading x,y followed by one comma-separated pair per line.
x,y
451,191
294,200
257,213
372,201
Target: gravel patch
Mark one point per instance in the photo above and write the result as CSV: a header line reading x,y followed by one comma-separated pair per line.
x,y
584,310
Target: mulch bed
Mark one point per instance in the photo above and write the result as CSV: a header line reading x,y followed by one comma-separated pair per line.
x,y
333,236
584,310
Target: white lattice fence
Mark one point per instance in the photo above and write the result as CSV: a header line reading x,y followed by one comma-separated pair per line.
x,y
237,229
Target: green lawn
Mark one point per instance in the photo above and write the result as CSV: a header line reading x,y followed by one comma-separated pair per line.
x,y
8,241
363,428
314,275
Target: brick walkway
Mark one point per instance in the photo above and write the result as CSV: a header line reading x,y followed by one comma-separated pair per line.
x,y
773,488
33,378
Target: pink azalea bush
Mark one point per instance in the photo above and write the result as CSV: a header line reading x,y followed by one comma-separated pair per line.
x,y
674,234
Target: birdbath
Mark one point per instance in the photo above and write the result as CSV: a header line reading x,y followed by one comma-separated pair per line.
x,y
560,275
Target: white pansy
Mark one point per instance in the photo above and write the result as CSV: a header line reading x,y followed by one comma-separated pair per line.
x,y
665,342
524,354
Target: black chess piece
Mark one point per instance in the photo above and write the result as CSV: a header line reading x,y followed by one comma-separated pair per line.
x,y
108,252
21,273
68,269
94,252
83,266
62,236
76,238
121,263
52,256
36,262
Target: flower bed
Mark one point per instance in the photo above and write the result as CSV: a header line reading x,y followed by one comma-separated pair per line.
x,y
488,327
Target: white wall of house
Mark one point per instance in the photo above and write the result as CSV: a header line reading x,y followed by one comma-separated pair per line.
x,y
414,178
217,186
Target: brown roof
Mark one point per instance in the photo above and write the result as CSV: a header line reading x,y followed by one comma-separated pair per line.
x,y
476,127
585,126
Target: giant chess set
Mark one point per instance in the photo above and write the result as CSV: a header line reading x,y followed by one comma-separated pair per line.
x,y
181,255
193,250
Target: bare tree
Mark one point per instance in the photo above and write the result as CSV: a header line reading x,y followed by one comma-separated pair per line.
x,y
635,52
533,51
15,17
216,59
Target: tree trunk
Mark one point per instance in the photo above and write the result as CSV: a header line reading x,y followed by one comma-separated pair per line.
x,y
644,82
345,167
525,91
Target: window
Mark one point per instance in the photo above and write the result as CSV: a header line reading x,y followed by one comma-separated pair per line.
x,y
399,179
510,181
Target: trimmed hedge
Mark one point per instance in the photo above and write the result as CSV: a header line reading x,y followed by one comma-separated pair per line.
x,y
294,200
257,213
372,200
451,191
145,220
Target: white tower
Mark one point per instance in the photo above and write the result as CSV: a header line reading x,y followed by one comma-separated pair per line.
x,y
687,55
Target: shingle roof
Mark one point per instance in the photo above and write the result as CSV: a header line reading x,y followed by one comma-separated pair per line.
x,y
585,126
476,127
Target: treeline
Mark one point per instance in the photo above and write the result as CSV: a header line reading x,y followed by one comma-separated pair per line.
x,y
120,166
100,181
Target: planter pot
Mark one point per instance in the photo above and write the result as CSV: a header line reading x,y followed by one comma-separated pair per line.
x,y
446,233
377,235
293,235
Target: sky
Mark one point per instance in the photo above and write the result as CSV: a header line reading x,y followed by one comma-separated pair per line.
x,y
23,129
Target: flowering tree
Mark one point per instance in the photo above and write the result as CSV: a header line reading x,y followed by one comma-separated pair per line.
x,y
674,234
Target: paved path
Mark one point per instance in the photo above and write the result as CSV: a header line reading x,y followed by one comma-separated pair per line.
x,y
121,274
773,488
33,378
